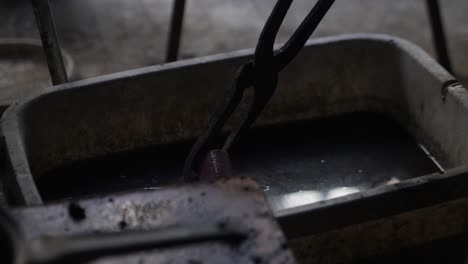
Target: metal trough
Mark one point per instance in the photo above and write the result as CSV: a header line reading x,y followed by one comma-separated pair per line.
x,y
380,83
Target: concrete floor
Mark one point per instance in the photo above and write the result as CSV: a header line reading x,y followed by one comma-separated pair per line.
x,y
107,36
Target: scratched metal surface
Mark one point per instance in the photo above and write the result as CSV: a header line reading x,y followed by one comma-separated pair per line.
x,y
234,203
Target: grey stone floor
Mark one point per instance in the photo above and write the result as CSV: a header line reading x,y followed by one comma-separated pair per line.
x,y
106,36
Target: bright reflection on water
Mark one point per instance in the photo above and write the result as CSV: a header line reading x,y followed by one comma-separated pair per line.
x,y
342,191
291,200
295,199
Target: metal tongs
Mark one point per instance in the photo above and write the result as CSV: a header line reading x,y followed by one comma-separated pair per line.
x,y
261,73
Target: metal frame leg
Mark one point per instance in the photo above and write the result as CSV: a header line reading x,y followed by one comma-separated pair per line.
x,y
175,30
58,73
438,34
50,43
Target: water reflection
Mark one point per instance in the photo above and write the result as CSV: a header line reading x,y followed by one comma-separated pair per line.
x,y
295,199
291,200
342,191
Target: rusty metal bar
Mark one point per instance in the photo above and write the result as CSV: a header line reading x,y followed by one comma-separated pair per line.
x,y
46,26
84,248
79,249
175,30
438,34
